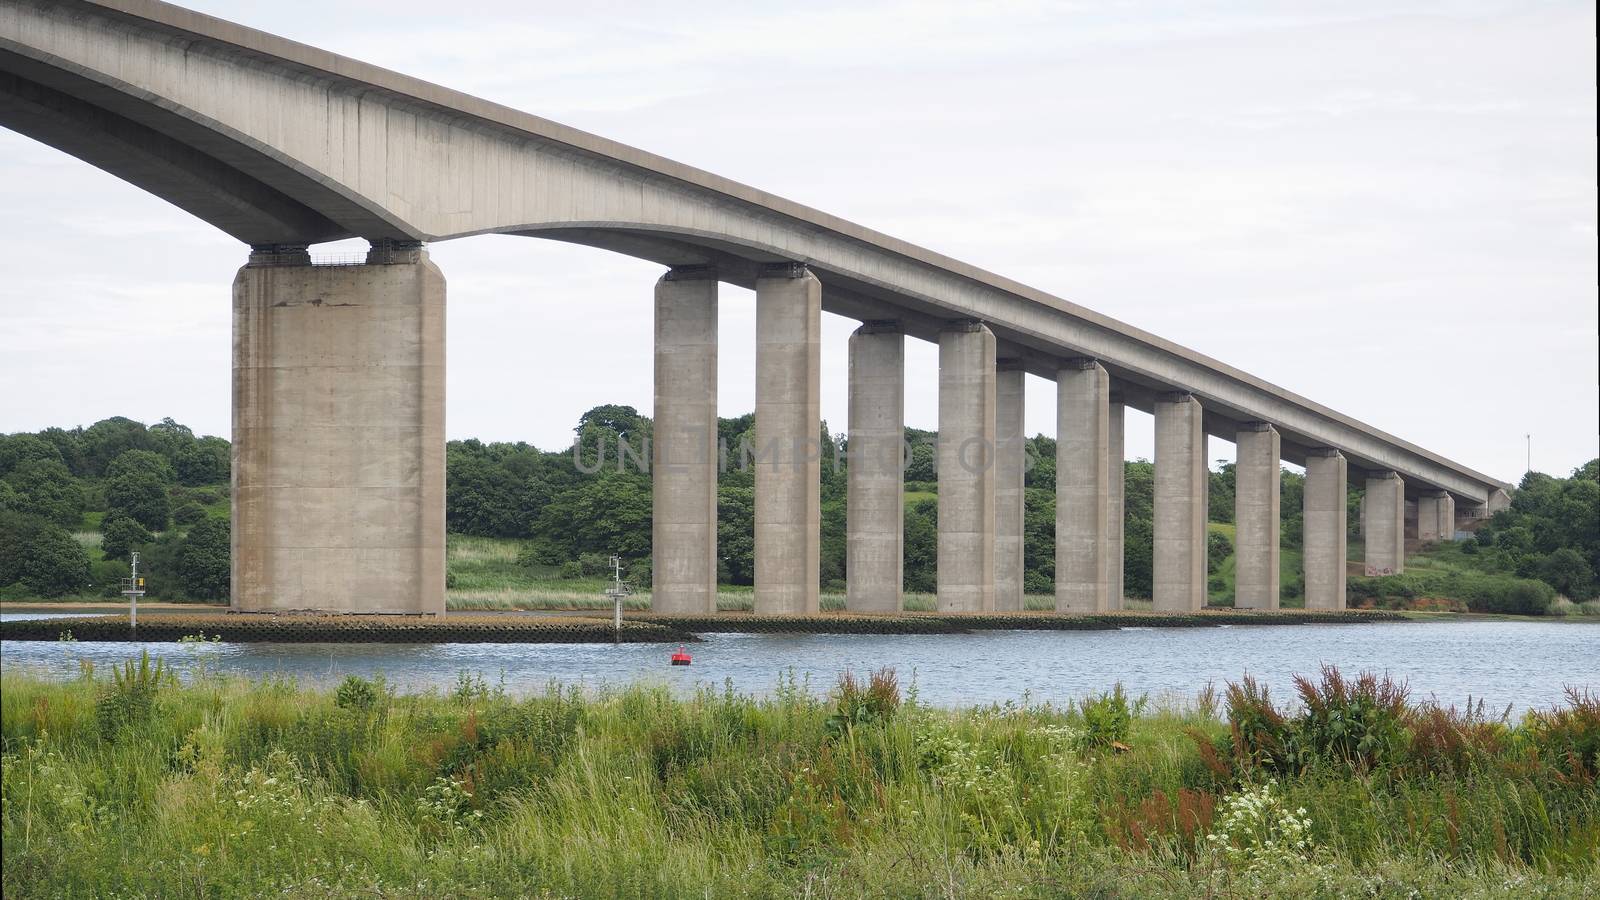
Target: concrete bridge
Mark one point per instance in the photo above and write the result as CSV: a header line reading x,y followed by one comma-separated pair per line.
x,y
339,371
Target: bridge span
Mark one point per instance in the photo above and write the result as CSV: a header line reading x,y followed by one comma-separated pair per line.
x,y
338,403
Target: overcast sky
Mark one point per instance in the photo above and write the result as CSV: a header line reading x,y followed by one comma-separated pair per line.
x,y
1387,207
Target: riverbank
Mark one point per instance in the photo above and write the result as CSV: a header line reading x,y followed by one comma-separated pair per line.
x,y
142,787
636,627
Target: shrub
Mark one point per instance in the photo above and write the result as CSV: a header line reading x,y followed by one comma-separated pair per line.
x,y
1359,724
120,534
130,698
40,556
856,706
356,693
1106,720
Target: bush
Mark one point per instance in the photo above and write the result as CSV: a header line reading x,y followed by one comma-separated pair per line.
x,y
204,561
140,495
1107,720
1218,548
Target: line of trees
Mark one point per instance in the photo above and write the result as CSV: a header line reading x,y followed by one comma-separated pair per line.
x,y
75,503
162,490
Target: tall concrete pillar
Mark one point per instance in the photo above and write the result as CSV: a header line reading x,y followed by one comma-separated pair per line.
x,y
788,467
1256,517
338,433
1011,445
875,514
683,460
1383,524
1325,530
1436,517
1083,443
1181,491
966,452
1116,470
1427,518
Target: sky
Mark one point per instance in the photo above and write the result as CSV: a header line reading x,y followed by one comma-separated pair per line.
x,y
1387,207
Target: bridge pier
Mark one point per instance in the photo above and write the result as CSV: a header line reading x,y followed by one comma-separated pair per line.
x,y
1181,492
788,463
1325,533
338,433
684,452
966,468
1383,521
1116,471
1009,494
1083,440
875,513
1436,517
1256,517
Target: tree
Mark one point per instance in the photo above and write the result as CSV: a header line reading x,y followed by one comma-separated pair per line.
x,y
108,439
1568,572
141,461
141,495
736,516
1221,485
206,461
921,553
17,448
41,556
44,488
204,561
121,533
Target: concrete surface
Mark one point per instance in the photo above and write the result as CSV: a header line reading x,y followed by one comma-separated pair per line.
x,y
788,463
1009,472
1181,495
683,452
1083,437
1325,540
338,435
875,506
1383,524
1257,485
966,469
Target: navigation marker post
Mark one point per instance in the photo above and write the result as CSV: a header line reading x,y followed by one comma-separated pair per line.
x,y
133,591
616,592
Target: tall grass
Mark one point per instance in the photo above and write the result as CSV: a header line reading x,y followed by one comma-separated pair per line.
x,y
224,787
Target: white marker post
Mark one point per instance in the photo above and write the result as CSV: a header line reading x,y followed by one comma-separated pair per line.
x,y
134,591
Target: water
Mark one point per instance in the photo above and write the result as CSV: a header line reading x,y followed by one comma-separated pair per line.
x,y
1521,664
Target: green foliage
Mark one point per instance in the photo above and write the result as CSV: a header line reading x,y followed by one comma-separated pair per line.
x,y
188,513
1107,720
230,788
129,700
356,693
121,533
203,561
1480,592
40,556
205,461
1218,548
146,462
44,488
140,495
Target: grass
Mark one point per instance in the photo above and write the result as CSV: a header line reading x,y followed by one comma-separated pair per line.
x,y
140,787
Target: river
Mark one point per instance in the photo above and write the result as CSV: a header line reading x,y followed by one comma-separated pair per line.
x,y
1504,663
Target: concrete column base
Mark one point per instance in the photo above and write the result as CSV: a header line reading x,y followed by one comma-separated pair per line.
x,y
1383,524
1181,492
1324,543
1083,431
1256,517
1010,469
788,465
875,514
338,434
683,453
1436,517
966,453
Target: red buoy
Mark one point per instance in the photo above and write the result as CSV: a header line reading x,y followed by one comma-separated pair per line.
x,y
681,658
